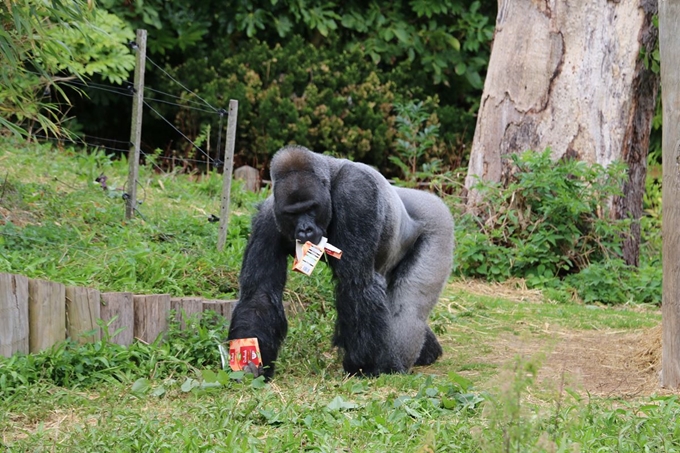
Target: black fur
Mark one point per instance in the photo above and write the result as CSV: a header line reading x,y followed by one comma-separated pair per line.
x,y
397,250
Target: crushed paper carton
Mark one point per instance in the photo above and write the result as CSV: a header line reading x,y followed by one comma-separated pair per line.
x,y
307,255
242,351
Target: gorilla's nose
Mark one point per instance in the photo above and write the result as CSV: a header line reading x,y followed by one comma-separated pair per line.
x,y
308,234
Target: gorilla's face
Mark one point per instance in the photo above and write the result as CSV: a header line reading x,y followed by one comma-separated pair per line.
x,y
302,207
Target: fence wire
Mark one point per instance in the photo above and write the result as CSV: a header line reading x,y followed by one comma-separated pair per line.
x,y
127,91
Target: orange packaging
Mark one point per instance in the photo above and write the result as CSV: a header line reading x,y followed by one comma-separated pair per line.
x,y
307,255
242,351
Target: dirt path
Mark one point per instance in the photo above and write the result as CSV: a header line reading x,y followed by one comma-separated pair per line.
x,y
607,362
604,363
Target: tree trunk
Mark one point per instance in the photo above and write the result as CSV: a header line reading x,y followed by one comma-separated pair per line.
x,y
567,75
636,139
669,43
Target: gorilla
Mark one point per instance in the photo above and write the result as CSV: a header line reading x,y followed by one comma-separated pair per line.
x,y
397,251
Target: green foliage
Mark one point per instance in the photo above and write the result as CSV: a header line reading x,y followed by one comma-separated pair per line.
x,y
69,364
44,43
415,138
187,408
298,94
573,423
446,39
174,395
322,74
615,282
508,428
101,49
551,221
177,25
66,228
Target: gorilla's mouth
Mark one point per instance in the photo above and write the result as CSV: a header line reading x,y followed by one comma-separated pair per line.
x,y
313,238
309,232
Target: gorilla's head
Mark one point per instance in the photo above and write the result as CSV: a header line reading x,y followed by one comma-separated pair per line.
x,y
302,197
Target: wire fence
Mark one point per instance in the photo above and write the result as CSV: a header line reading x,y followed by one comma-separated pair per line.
x,y
187,99
191,102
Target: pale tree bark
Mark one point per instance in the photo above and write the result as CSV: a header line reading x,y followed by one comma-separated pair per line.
x,y
567,75
669,43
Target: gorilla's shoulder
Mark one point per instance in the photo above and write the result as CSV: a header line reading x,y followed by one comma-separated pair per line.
x,y
356,176
267,203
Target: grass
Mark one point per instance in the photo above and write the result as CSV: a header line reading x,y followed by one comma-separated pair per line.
x,y
60,225
482,396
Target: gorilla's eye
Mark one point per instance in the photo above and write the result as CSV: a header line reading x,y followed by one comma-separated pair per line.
x,y
301,207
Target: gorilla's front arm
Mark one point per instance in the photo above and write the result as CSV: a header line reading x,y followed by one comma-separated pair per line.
x,y
359,220
259,312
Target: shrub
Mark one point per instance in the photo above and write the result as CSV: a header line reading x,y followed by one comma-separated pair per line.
x,y
297,93
329,101
549,223
71,364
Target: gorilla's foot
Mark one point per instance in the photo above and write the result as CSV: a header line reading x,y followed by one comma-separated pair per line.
x,y
431,350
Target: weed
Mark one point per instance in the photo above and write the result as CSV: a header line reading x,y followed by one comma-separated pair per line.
x,y
415,138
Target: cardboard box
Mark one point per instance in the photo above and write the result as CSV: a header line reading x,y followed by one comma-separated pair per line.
x,y
307,255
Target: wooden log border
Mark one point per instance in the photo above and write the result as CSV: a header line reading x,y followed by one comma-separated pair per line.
x,y
37,314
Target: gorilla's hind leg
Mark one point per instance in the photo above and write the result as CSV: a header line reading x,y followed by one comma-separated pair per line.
x,y
431,350
415,284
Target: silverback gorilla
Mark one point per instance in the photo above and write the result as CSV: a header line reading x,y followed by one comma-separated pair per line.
x,y
397,249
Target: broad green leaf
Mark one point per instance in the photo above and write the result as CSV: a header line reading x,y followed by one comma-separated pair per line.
x,y
339,404
140,386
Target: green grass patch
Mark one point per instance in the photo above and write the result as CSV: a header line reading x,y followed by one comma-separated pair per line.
x,y
175,397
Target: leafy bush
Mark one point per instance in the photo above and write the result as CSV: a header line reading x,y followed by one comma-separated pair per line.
x,y
549,223
297,93
613,281
415,139
321,74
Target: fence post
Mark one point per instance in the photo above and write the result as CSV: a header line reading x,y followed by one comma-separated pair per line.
x,y
136,125
151,316
221,307
185,308
82,312
228,170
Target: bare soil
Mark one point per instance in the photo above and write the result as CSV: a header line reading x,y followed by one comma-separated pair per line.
x,y
601,363
607,362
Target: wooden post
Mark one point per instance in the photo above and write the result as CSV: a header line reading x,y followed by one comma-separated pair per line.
x,y
221,307
151,316
46,314
228,170
119,306
669,46
185,308
13,314
136,126
82,313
